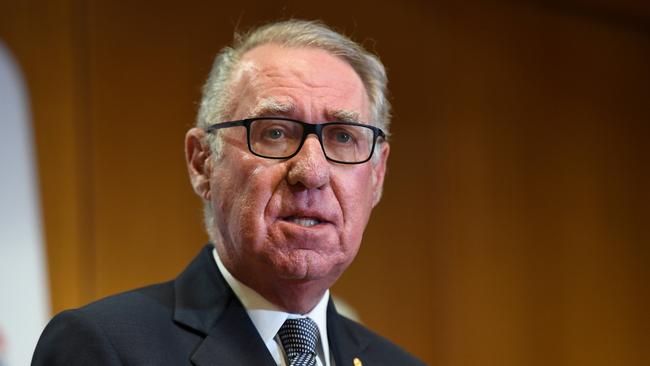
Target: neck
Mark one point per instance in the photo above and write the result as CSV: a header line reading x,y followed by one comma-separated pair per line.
x,y
297,298
292,296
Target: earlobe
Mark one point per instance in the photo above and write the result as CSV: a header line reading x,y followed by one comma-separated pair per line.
x,y
197,155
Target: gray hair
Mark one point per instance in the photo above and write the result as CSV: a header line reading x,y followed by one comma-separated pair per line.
x,y
216,99
294,33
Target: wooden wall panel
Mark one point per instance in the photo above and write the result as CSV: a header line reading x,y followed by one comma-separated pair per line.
x,y
513,227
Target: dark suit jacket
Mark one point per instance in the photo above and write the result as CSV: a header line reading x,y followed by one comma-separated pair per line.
x,y
195,320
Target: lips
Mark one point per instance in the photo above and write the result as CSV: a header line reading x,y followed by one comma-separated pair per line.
x,y
306,218
303,221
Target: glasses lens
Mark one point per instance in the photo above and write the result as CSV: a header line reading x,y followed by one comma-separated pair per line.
x,y
348,143
275,138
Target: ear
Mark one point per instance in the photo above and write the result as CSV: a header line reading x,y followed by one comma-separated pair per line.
x,y
199,166
378,172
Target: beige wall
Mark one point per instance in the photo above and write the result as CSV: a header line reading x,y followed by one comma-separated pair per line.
x,y
514,225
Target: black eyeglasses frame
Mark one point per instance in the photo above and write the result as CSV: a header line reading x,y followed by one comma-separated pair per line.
x,y
307,129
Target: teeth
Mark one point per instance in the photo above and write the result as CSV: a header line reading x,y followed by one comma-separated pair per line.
x,y
304,221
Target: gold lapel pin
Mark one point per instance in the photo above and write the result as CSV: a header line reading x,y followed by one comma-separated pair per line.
x,y
357,362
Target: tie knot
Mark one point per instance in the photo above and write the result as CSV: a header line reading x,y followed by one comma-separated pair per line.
x,y
299,336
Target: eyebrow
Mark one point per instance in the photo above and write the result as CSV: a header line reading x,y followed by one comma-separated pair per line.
x,y
271,106
344,115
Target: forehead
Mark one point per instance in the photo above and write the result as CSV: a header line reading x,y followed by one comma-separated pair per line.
x,y
306,82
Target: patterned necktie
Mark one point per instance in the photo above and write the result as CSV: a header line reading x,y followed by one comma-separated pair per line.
x,y
299,337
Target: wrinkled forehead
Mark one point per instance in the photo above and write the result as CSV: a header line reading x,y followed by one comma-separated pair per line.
x,y
273,106
272,79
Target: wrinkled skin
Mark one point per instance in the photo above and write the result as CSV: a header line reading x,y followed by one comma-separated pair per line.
x,y
256,200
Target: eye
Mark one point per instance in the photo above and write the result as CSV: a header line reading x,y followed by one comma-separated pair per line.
x,y
342,136
274,133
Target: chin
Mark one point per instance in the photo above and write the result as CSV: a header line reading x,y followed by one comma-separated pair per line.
x,y
305,265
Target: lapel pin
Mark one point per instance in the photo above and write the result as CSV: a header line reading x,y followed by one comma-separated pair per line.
x,y
357,362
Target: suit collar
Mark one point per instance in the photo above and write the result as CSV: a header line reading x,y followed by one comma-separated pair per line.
x,y
201,294
205,303
345,343
233,341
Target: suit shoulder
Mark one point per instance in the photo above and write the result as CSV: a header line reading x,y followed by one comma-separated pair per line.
x,y
71,338
136,305
107,331
380,348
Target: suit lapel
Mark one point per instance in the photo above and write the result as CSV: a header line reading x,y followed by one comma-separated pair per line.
x,y
233,341
204,302
345,344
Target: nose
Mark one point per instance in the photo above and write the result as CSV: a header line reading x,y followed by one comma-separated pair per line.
x,y
309,167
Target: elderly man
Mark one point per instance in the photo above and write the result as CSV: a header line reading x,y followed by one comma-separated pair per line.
x,y
289,157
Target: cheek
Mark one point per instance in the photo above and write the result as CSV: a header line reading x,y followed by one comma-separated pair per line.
x,y
243,190
356,198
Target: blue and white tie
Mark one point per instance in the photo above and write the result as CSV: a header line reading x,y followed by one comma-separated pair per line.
x,y
299,337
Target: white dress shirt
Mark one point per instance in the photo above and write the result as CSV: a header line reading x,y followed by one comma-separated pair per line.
x,y
268,318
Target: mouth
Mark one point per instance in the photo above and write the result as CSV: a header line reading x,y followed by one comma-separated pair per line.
x,y
303,221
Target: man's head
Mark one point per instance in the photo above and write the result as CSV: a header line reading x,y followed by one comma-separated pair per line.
x,y
288,227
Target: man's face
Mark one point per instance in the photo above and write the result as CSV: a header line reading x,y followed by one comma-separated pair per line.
x,y
300,219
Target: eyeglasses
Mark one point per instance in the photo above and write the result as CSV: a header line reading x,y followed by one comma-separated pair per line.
x,y
282,138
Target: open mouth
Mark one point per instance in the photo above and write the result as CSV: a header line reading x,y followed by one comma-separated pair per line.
x,y
303,221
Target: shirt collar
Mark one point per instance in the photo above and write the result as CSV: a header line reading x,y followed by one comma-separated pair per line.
x,y
266,316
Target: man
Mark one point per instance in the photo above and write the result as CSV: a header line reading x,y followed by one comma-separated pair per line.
x,y
289,156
